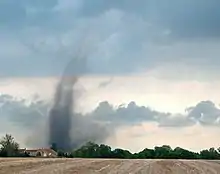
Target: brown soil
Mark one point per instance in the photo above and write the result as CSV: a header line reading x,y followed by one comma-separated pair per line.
x,y
106,166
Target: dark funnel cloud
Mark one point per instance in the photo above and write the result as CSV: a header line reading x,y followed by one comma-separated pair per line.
x,y
68,129
60,116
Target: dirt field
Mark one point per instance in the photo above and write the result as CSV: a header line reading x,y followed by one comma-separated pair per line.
x,y
106,166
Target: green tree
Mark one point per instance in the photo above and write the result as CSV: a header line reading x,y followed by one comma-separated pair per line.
x,y
9,147
104,151
89,150
180,153
163,151
145,154
60,153
120,153
209,154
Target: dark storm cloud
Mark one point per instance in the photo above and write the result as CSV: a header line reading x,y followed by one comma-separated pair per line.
x,y
188,18
97,125
205,112
20,112
133,114
16,15
12,13
176,121
130,35
191,18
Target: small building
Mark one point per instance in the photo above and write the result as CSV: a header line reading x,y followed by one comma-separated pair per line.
x,y
43,152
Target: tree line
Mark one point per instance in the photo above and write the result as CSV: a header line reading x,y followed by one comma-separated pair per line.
x,y
10,148
92,150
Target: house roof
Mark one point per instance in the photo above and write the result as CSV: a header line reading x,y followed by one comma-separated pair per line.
x,y
46,150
